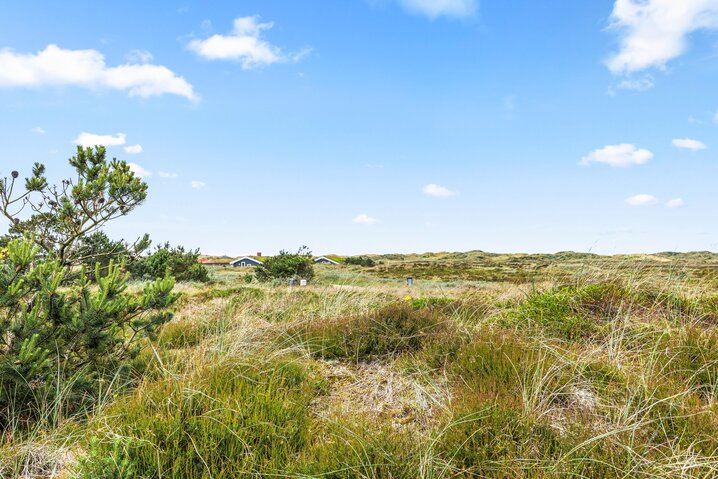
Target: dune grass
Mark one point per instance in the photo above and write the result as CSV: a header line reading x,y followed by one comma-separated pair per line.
x,y
606,373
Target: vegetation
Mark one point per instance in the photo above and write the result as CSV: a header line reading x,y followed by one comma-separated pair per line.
x,y
63,336
594,368
287,265
98,249
61,215
177,262
359,261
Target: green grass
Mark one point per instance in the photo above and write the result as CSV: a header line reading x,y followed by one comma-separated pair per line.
x,y
386,332
497,366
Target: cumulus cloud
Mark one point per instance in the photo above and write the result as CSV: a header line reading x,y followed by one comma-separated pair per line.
x,y
438,8
55,66
437,191
641,200
92,139
676,203
197,185
38,130
138,170
165,174
364,219
621,155
715,117
133,149
689,144
244,45
655,31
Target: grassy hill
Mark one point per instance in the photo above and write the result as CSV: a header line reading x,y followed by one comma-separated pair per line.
x,y
503,366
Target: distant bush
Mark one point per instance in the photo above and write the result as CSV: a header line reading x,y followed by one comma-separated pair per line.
x,y
179,263
360,261
287,265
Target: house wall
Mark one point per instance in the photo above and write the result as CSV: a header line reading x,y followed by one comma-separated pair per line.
x,y
245,263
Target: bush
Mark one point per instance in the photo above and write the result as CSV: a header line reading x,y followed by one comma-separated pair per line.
x,y
175,261
388,331
98,248
359,261
571,312
224,421
51,327
287,266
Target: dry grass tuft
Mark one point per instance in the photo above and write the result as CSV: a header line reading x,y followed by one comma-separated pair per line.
x,y
380,393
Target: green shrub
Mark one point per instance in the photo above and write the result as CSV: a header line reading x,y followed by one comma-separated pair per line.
x,y
54,329
359,261
225,421
361,452
98,248
496,442
179,263
388,331
571,312
287,265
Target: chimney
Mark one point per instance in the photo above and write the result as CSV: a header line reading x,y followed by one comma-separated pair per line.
x,y
259,254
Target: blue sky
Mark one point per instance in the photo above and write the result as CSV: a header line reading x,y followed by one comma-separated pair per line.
x,y
381,125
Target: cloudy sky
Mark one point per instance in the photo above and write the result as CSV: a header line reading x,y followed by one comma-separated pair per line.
x,y
381,125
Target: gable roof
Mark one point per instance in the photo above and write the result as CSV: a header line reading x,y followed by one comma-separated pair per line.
x,y
243,258
325,259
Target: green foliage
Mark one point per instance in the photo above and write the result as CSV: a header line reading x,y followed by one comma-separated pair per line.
x,y
571,312
98,248
50,327
388,331
62,214
360,454
287,265
359,261
177,262
495,442
225,421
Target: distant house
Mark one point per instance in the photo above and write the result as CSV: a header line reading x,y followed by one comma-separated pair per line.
x,y
324,260
246,262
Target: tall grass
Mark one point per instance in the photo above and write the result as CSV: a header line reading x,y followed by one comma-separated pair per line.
x,y
605,374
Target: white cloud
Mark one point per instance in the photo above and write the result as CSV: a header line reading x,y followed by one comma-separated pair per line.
x,y
38,130
641,84
654,31
641,200
244,45
133,149
438,191
55,66
197,185
164,174
91,139
621,155
364,219
139,56
676,203
138,170
438,8
715,117
689,144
